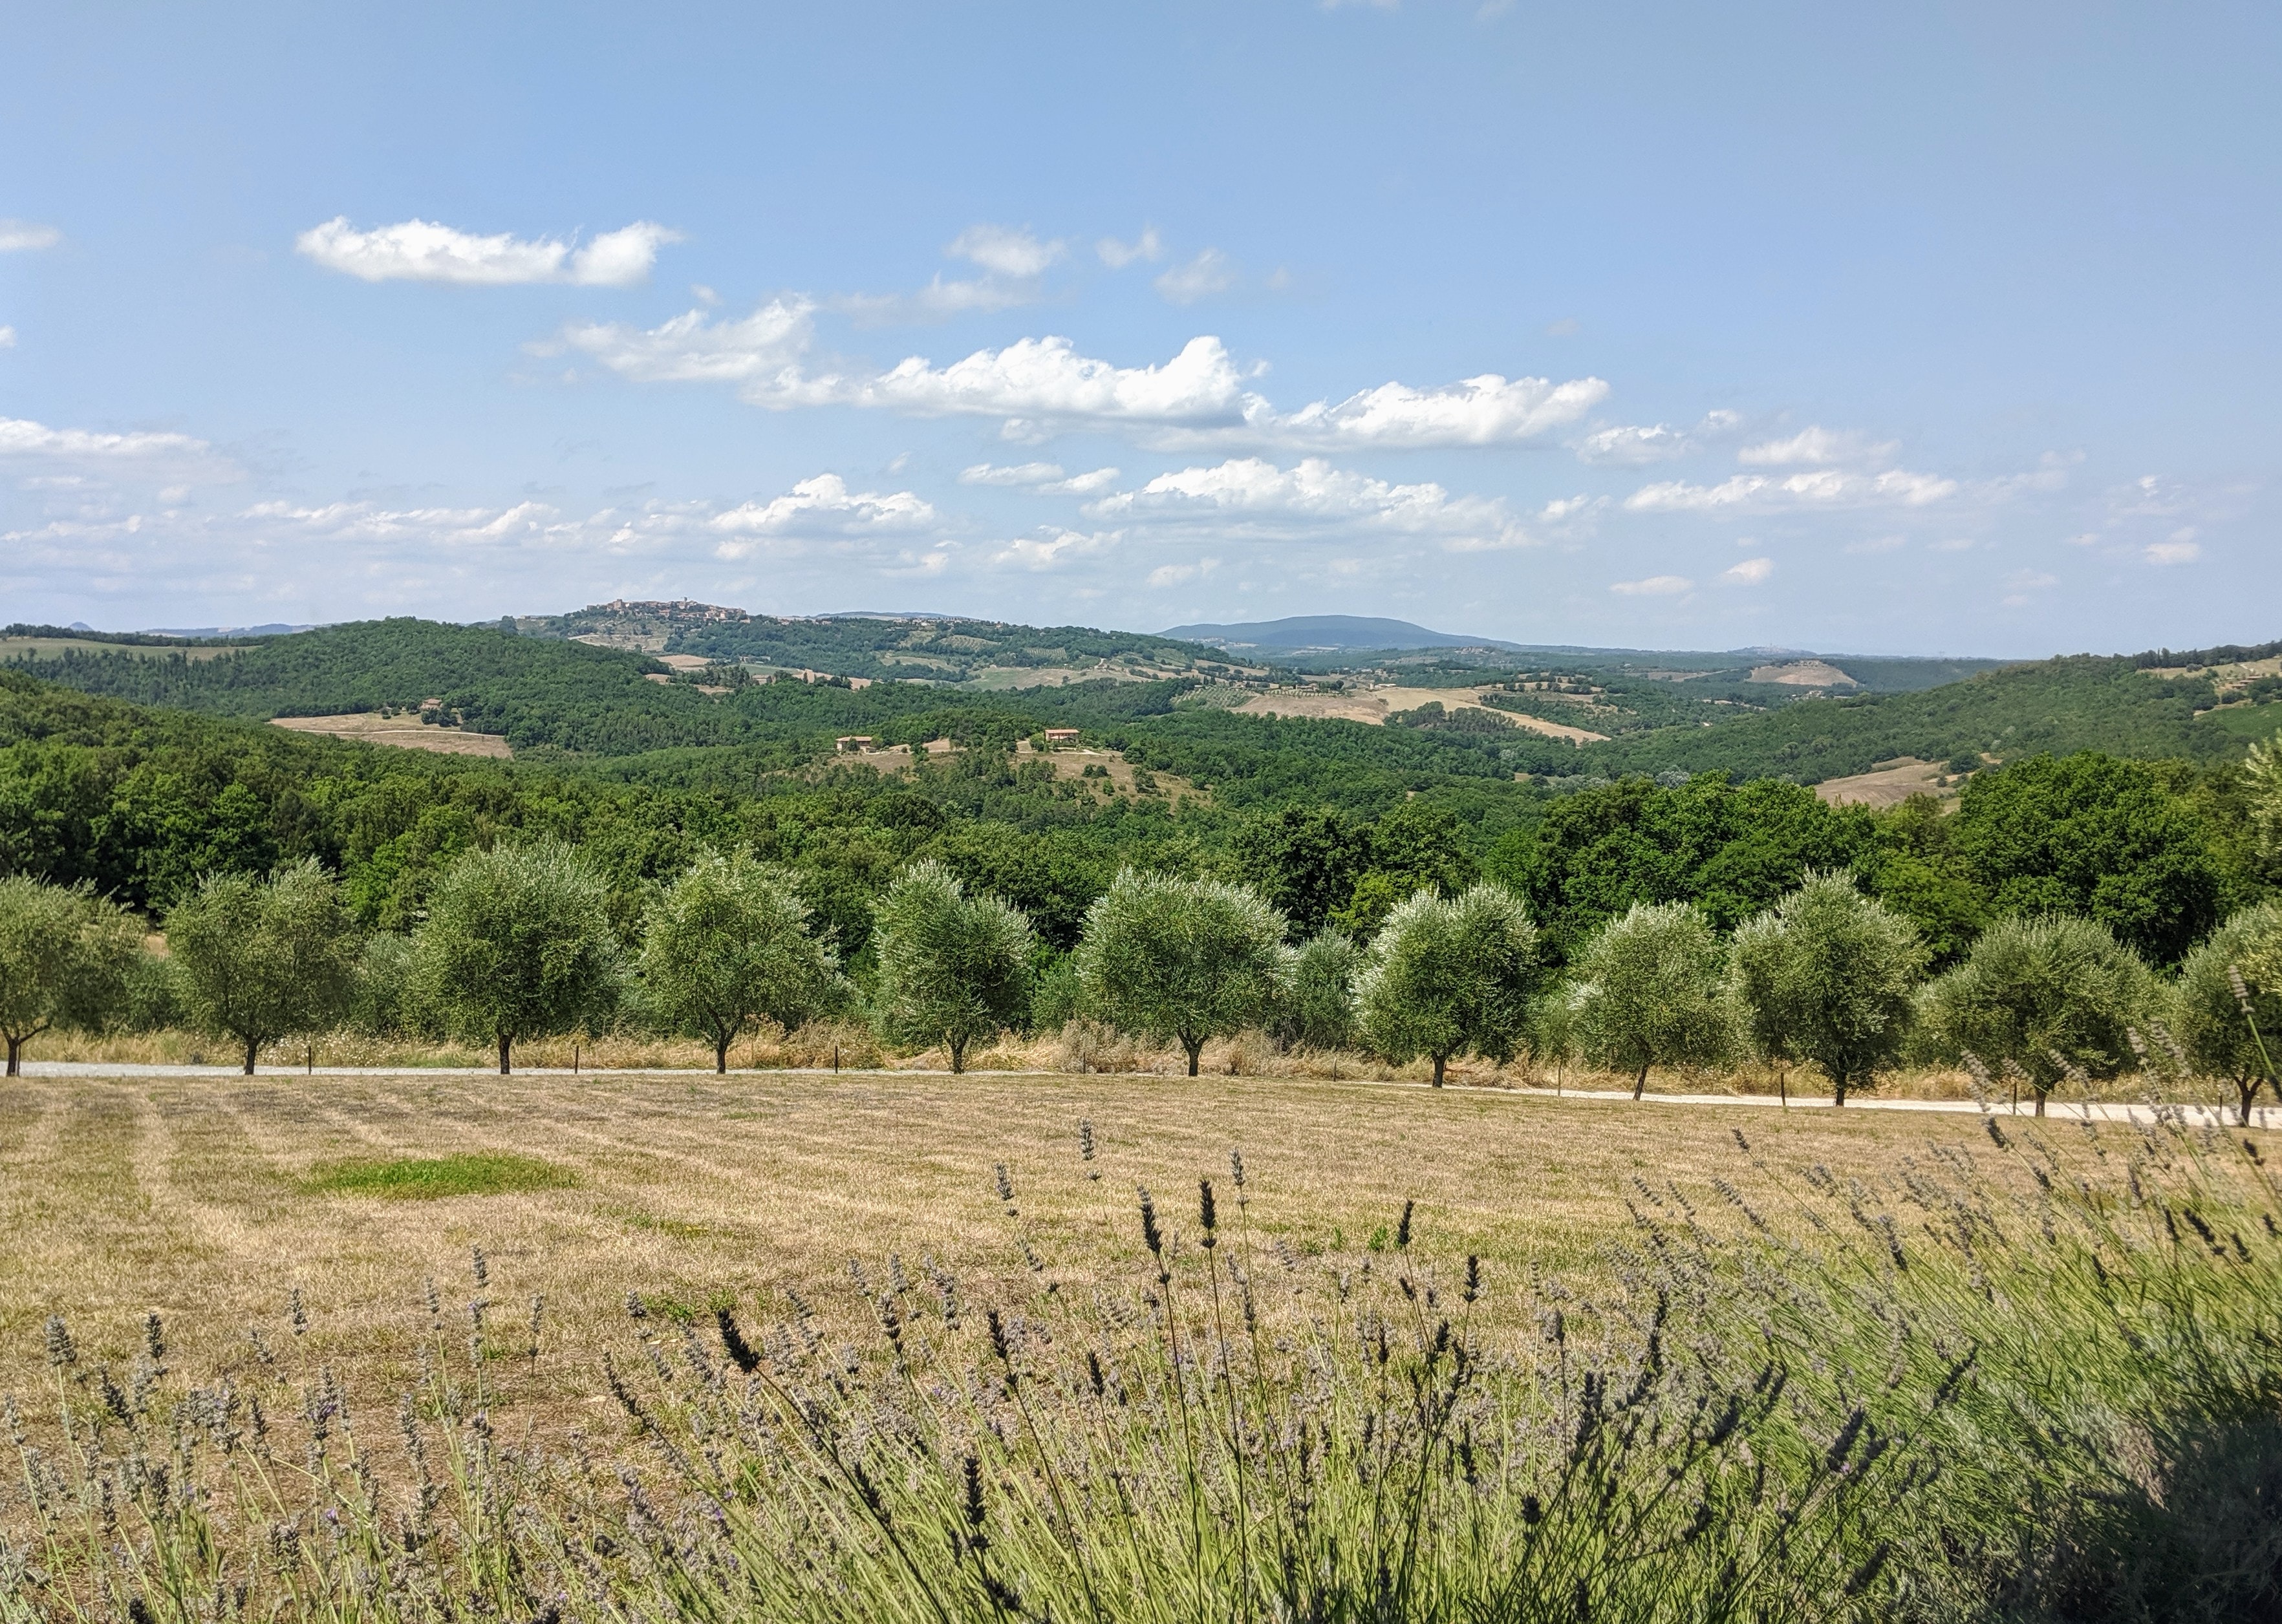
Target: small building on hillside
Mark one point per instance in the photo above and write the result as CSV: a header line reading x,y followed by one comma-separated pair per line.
x,y
1060,736
848,743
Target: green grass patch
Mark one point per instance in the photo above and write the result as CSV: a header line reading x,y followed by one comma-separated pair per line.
x,y
433,1177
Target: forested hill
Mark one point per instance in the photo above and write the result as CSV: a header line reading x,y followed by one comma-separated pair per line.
x,y
2078,702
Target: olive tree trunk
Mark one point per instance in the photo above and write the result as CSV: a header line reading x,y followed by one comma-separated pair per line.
x,y
1196,1048
1440,1061
252,1048
503,1041
1640,1083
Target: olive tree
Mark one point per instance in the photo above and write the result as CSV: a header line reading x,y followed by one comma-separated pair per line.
x,y
952,967
1648,992
517,945
1184,959
2046,993
64,957
1825,977
2226,1007
727,945
1451,975
1316,1006
257,960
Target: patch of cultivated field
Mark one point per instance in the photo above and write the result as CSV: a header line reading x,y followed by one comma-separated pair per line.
x,y
211,1200
1375,705
407,732
48,648
1889,784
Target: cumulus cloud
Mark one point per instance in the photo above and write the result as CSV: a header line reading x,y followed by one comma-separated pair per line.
x,y
1488,410
764,351
1636,445
365,522
1046,478
2182,548
1036,386
1009,253
1816,447
7,338
23,236
1173,574
1654,586
1209,273
1822,488
421,250
1117,255
1313,495
821,506
1751,572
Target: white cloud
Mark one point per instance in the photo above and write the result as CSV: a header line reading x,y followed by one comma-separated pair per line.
x,y
1953,544
1878,544
1051,548
22,237
1046,478
1046,379
1008,253
1824,488
421,250
821,506
1315,493
1654,586
2182,548
763,351
1816,447
7,338
1751,572
1117,255
1209,273
1632,445
1173,575
1481,411
1039,385
23,438
2030,580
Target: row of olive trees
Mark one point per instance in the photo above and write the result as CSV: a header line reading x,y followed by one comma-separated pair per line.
x,y
517,945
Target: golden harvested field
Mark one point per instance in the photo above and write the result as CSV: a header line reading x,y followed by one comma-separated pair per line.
x,y
1889,784
1375,705
197,1197
406,731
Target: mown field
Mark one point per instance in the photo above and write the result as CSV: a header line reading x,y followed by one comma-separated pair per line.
x,y
202,1198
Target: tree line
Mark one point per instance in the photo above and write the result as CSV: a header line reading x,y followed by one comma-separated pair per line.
x,y
518,943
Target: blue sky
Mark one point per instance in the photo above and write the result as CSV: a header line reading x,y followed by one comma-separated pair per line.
x,y
1933,328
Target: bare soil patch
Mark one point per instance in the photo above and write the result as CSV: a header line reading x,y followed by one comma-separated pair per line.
x,y
407,732
1804,674
1889,784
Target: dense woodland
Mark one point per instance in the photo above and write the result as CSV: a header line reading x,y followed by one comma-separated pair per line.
x,y
1335,823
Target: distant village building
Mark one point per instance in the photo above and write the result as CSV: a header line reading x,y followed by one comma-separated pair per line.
x,y
1060,736
848,743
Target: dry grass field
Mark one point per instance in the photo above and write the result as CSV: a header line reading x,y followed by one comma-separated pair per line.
x,y
406,732
1889,784
1375,705
212,1200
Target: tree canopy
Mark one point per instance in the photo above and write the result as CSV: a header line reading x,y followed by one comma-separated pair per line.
x,y
1185,959
2041,995
518,944
1826,977
64,956
1450,976
1648,992
258,960
726,944
952,967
